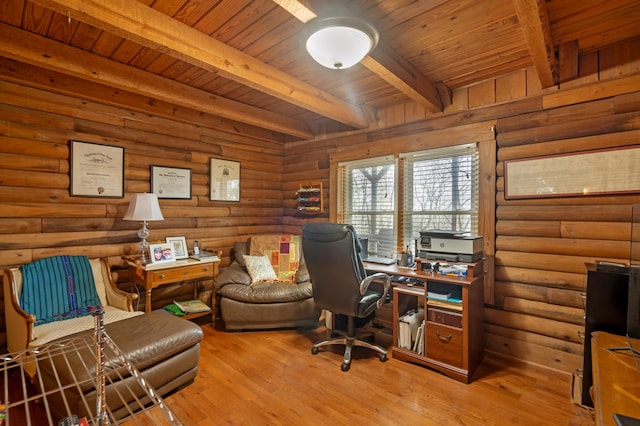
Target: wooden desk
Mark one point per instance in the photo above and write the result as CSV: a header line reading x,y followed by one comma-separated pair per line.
x,y
616,381
455,349
150,276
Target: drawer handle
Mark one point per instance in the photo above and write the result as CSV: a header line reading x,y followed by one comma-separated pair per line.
x,y
444,339
162,276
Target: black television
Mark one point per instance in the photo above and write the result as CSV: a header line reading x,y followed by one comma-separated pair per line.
x,y
633,289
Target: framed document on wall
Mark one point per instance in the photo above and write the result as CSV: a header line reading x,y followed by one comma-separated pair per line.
x,y
171,182
224,179
96,170
597,172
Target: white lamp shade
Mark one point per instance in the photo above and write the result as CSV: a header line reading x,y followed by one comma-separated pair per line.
x,y
339,43
143,207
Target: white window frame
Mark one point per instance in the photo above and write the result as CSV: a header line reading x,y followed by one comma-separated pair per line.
x,y
403,192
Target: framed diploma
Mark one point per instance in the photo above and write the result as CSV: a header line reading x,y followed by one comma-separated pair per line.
x,y
171,182
96,170
224,180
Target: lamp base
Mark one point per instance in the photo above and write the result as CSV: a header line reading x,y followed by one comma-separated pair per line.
x,y
143,234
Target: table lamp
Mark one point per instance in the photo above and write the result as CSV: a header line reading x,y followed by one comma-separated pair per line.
x,y
143,207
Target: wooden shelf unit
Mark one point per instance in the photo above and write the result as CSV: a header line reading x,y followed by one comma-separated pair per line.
x,y
310,198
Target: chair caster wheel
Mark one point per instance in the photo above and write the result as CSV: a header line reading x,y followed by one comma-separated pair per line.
x,y
314,350
383,357
345,366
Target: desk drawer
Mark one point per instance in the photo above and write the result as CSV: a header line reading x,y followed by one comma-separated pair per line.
x,y
182,274
444,344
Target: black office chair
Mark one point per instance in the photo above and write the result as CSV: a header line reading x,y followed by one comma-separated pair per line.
x,y
340,282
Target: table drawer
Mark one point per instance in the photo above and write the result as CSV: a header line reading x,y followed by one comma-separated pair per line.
x,y
182,274
444,344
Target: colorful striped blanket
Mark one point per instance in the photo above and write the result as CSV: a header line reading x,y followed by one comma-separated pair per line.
x,y
57,288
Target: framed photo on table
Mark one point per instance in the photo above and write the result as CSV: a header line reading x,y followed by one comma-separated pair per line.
x,y
179,247
96,170
171,182
224,180
162,253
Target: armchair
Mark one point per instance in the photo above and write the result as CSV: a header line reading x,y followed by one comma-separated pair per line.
x,y
340,282
25,333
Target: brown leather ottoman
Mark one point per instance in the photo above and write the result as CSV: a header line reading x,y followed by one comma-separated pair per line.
x,y
165,349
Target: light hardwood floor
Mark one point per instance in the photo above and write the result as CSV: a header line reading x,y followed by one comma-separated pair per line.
x,y
270,377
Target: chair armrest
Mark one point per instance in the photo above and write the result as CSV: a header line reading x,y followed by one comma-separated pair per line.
x,y
377,277
116,297
20,333
232,274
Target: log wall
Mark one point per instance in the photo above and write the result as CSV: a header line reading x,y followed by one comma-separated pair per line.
x,y
39,218
533,309
537,248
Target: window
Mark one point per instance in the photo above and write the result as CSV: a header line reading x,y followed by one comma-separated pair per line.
x,y
369,202
439,191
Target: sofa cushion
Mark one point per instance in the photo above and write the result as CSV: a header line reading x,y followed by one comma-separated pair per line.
x,y
267,292
240,248
260,269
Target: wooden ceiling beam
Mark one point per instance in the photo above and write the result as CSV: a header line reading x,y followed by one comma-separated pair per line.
x,y
24,46
534,21
383,62
141,24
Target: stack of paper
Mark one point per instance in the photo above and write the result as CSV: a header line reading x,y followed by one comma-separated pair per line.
x,y
408,325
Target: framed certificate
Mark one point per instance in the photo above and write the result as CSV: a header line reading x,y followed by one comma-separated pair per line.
x,y
224,180
96,170
171,182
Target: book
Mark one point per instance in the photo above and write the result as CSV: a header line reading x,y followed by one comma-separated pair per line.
x,y
192,306
204,256
453,304
418,346
439,295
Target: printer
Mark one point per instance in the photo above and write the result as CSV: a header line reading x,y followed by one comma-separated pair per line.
x,y
450,246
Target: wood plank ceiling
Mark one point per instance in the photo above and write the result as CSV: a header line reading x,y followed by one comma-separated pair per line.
x,y
242,61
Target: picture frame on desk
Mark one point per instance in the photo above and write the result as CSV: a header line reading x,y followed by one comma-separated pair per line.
x,y
161,253
179,247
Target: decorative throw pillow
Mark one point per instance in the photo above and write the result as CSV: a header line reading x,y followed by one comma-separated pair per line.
x,y
260,269
283,251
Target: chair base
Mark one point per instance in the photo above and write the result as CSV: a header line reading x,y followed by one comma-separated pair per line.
x,y
349,343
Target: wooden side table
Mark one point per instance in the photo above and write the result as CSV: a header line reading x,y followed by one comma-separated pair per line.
x,y
150,276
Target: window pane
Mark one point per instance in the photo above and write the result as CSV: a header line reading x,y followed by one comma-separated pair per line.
x,y
441,192
369,200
